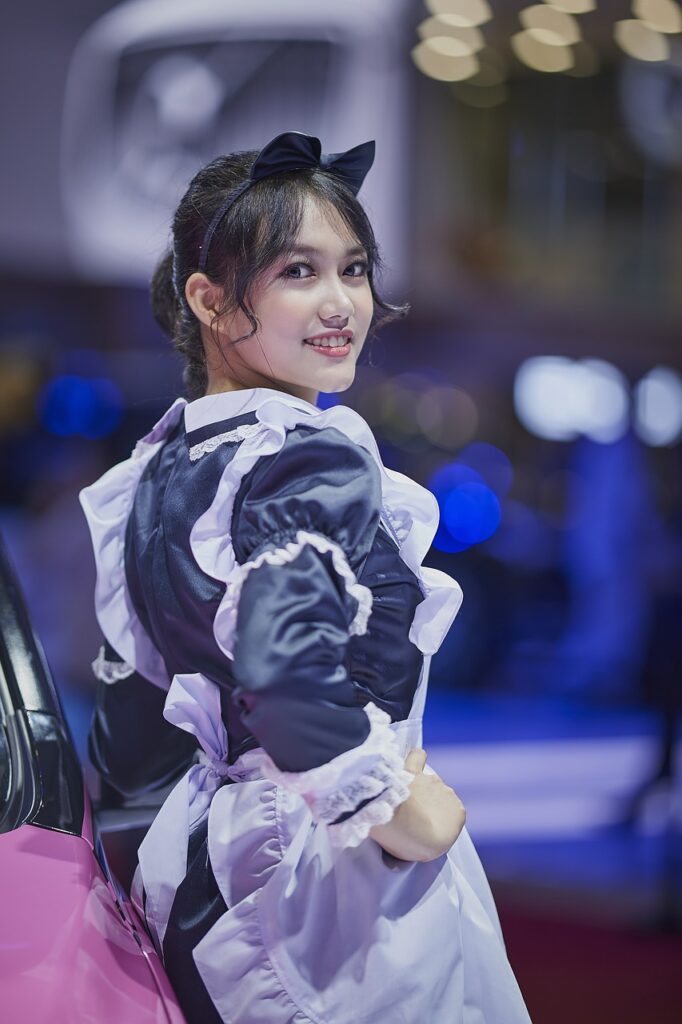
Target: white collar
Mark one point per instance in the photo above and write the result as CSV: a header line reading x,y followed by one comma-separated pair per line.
x,y
225,404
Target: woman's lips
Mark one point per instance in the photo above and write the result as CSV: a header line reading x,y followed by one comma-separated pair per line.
x,y
335,351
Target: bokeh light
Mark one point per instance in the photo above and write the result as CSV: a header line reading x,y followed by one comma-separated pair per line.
x,y
542,50
658,407
466,12
641,41
74,406
467,40
558,399
445,59
606,401
561,24
573,6
470,511
662,15
448,417
491,464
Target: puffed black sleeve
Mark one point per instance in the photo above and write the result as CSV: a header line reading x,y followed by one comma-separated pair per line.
x,y
303,523
130,743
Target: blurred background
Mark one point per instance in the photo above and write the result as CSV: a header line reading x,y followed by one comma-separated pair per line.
x,y
527,196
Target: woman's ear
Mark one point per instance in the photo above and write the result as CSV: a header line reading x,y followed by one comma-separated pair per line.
x,y
203,297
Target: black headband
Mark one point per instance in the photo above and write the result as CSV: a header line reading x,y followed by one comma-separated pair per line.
x,y
294,151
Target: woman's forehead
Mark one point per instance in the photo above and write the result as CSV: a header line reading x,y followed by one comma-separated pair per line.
x,y
322,227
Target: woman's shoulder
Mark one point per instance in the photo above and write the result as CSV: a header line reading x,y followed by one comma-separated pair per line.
x,y
318,479
298,474
314,463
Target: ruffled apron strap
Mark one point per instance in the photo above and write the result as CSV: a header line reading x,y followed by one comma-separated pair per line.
x,y
107,504
193,704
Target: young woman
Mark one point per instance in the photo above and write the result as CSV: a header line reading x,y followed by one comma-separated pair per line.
x,y
269,627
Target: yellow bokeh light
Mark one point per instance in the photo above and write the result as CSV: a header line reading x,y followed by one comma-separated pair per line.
x,y
546,37
449,46
545,18
447,416
662,15
443,66
467,12
639,41
438,28
542,50
572,6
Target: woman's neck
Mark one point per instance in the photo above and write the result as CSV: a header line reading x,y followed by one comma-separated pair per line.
x,y
219,383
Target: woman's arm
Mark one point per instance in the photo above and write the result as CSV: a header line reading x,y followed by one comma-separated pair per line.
x,y
304,521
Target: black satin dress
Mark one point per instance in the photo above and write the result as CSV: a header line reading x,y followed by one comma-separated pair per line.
x,y
297,682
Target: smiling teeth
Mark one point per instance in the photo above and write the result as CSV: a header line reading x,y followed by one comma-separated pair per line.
x,y
328,342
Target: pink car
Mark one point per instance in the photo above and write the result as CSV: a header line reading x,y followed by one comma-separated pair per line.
x,y
72,947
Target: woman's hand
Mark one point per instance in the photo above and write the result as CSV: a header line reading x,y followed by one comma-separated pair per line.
x,y
426,824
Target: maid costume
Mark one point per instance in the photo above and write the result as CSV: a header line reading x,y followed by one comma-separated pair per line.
x,y
269,627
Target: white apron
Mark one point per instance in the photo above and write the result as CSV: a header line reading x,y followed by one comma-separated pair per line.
x,y
315,934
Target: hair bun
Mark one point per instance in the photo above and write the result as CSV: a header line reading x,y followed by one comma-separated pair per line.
x,y
162,293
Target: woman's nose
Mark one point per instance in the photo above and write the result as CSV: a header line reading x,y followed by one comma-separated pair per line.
x,y
335,322
337,305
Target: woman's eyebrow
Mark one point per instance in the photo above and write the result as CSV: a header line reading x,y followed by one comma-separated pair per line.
x,y
310,250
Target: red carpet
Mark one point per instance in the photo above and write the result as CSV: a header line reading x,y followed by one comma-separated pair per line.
x,y
578,973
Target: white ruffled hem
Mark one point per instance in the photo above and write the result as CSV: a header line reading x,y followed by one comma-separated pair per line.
x,y
375,769
248,973
290,551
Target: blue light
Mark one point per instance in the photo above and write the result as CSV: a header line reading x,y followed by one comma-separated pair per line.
x,y
469,509
472,513
450,476
491,464
327,399
70,406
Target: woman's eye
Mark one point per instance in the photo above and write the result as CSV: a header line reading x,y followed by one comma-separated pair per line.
x,y
296,266
359,268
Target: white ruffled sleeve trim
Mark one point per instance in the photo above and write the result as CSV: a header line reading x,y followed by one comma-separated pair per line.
x,y
290,551
375,769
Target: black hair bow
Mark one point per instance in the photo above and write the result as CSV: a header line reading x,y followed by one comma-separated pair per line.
x,y
294,151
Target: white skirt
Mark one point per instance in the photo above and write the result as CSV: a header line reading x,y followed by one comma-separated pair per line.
x,y
321,935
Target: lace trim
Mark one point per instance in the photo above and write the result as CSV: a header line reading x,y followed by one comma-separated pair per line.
x,y
110,671
396,524
279,556
355,829
239,433
377,770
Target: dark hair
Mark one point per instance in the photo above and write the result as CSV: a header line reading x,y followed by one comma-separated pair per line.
x,y
259,228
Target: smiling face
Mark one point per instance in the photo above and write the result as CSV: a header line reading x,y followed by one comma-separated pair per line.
x,y
321,287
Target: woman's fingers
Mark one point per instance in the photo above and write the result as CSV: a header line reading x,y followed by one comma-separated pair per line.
x,y
416,760
425,825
